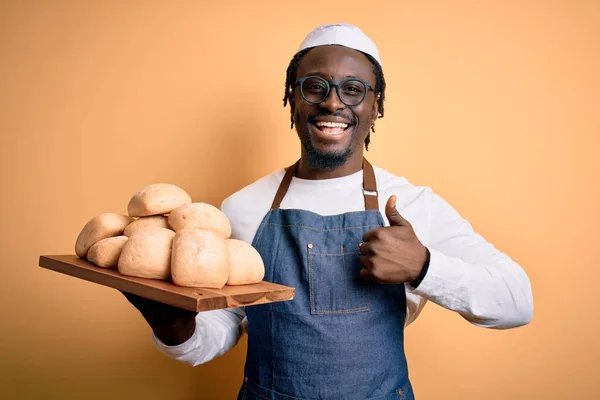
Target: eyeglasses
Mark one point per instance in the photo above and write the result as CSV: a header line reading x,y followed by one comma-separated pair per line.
x,y
351,91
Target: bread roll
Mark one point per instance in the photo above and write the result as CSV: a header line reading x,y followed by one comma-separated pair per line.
x,y
156,199
100,227
147,254
245,263
105,253
156,221
200,215
199,259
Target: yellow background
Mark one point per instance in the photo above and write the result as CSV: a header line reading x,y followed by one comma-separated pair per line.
x,y
493,104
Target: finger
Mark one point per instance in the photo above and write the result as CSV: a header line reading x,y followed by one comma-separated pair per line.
x,y
141,304
366,262
136,301
367,275
392,213
370,235
365,248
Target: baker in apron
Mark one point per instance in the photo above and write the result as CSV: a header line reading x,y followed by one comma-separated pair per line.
x,y
342,336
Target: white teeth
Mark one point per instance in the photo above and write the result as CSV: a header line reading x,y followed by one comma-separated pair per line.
x,y
332,124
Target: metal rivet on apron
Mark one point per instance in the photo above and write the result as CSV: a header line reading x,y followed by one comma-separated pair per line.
x,y
310,245
245,379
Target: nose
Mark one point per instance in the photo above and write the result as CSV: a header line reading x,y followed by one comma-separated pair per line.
x,y
332,102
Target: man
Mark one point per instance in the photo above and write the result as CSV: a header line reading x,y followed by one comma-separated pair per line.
x,y
364,249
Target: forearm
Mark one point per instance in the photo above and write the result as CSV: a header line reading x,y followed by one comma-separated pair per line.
x,y
496,294
214,333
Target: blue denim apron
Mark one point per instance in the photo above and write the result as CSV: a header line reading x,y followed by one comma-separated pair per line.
x,y
341,337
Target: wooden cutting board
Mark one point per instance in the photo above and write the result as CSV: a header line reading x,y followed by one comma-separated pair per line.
x,y
193,299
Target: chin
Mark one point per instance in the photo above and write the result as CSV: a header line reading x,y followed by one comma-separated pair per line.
x,y
325,160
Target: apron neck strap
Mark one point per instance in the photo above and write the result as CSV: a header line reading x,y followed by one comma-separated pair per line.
x,y
285,184
369,186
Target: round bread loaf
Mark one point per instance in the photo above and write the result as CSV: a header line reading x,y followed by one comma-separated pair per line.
x,y
200,215
105,253
147,254
157,199
199,259
245,263
100,227
153,221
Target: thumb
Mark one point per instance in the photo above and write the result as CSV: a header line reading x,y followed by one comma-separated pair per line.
x,y
392,214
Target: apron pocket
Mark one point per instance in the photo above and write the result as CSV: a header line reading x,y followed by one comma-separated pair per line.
x,y
335,284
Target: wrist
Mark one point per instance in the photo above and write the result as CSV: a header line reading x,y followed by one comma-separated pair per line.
x,y
423,271
180,331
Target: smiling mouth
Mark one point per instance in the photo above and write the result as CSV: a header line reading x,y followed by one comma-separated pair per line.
x,y
331,128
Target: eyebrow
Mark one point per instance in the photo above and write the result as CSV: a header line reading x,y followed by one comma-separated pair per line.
x,y
324,75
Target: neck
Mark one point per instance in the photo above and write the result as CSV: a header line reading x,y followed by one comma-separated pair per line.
x,y
351,166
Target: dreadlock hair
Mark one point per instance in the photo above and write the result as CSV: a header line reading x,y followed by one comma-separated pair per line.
x,y
291,80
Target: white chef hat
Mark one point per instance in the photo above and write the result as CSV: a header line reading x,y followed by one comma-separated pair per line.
x,y
341,34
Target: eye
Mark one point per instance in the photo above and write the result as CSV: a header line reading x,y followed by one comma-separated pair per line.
x,y
353,88
314,85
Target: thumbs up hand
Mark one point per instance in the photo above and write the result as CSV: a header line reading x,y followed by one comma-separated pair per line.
x,y
392,254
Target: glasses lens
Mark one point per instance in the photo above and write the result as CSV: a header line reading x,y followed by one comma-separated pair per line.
x,y
352,92
314,89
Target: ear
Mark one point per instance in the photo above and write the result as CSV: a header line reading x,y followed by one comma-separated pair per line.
x,y
292,103
375,109
292,99
293,107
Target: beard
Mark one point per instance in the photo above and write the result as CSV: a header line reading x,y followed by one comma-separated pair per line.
x,y
327,160
322,160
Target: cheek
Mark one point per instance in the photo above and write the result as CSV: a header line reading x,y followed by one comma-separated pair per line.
x,y
297,115
364,117
369,113
300,111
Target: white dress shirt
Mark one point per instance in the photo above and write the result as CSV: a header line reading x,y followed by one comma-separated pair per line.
x,y
466,273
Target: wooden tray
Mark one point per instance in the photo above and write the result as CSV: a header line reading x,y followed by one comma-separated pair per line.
x,y
193,299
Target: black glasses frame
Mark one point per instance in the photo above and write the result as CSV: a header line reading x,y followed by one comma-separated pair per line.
x,y
337,85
